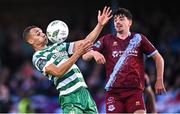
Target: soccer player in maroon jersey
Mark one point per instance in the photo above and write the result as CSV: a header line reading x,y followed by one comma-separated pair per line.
x,y
123,54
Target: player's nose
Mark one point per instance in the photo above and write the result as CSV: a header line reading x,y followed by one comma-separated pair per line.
x,y
43,35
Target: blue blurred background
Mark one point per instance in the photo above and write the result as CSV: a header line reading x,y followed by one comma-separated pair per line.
x,y
24,89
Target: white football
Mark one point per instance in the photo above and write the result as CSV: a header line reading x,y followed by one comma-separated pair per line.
x,y
57,31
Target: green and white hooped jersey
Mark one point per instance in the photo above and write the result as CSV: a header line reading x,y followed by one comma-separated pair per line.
x,y
58,54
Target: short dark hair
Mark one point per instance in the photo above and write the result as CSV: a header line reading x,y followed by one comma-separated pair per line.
x,y
123,12
26,32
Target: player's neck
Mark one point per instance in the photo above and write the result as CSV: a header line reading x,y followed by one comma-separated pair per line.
x,y
123,35
38,48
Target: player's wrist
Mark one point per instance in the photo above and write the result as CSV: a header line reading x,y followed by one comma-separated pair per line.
x,y
159,79
100,24
94,53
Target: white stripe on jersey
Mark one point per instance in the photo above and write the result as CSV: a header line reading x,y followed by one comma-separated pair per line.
x,y
69,79
71,47
64,60
48,63
71,89
152,53
74,66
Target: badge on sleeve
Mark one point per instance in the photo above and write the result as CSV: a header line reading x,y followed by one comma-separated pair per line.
x,y
41,63
97,44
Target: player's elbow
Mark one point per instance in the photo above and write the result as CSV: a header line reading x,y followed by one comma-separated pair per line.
x,y
160,59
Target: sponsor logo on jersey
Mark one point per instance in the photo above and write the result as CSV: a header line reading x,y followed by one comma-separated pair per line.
x,y
59,54
119,53
115,54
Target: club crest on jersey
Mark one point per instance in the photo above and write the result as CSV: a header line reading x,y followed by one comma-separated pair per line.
x,y
111,107
115,43
97,44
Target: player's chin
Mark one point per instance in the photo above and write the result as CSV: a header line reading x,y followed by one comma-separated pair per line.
x,y
46,41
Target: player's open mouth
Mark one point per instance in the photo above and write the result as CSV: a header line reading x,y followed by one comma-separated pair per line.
x,y
119,26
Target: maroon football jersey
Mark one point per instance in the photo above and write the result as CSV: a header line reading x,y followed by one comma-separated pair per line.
x,y
131,74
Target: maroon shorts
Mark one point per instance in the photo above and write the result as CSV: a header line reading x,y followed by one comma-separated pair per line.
x,y
125,102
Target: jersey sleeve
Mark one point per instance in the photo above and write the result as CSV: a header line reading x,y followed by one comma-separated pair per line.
x,y
69,47
40,63
98,46
148,48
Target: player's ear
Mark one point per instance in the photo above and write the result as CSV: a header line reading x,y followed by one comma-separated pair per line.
x,y
130,22
30,40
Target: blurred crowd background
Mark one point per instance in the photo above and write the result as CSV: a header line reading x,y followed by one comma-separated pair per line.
x,y
24,89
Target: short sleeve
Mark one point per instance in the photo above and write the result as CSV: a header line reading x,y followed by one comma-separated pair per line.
x,y
148,48
40,63
69,47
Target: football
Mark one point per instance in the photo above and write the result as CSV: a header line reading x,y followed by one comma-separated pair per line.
x,y
57,31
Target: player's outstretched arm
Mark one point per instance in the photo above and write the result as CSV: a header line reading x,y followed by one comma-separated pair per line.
x,y
103,18
159,86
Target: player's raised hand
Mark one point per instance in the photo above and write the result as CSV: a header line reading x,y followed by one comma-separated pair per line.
x,y
104,16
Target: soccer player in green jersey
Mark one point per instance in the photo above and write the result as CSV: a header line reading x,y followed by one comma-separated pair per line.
x,y
55,64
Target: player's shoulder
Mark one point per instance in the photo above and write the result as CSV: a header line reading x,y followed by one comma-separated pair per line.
x,y
36,55
40,54
140,34
134,33
108,36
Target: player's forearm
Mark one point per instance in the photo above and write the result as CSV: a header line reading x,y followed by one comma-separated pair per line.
x,y
88,56
159,66
95,33
67,65
59,71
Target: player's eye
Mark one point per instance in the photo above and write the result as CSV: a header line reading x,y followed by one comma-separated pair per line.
x,y
122,19
38,33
